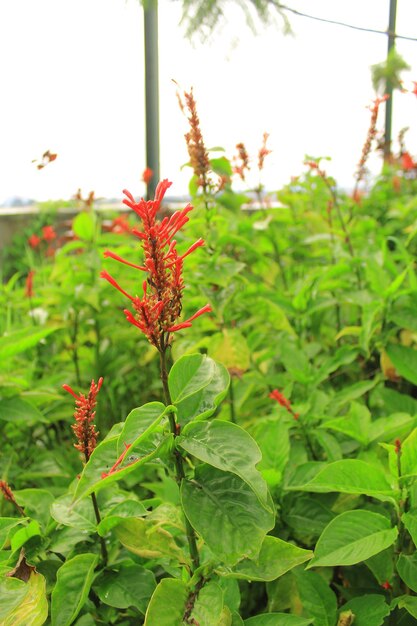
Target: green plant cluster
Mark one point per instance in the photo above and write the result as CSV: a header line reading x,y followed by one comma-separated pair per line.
x,y
288,513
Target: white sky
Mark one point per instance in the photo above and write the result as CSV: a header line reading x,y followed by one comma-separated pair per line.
x,y
72,80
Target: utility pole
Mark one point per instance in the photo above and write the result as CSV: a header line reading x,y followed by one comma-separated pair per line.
x,y
150,14
388,86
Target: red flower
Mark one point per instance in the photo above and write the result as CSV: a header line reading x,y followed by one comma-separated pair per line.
x,y
263,152
283,401
8,495
48,233
29,284
147,175
34,241
157,311
407,162
386,585
84,427
120,225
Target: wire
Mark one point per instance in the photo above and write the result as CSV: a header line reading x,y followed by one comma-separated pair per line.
x,y
368,30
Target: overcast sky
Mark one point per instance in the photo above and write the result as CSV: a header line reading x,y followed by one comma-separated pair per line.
x,y
72,77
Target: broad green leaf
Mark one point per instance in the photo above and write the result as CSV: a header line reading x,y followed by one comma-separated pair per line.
x,y
36,504
409,455
355,424
317,599
208,605
148,540
307,516
352,537
23,535
409,603
167,605
123,510
277,619
272,437
231,349
229,448
197,385
351,392
6,525
95,473
409,519
382,565
21,340
127,585
275,558
395,426
84,225
343,356
139,423
348,476
226,513
80,515
407,569
19,411
23,603
73,584
368,609
405,361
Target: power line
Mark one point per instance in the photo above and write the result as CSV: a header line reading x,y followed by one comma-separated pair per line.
x,y
368,30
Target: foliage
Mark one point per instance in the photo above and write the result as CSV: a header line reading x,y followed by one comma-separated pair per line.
x,y
260,470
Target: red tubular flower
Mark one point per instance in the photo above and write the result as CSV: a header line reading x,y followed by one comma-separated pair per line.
x,y
48,233
263,152
407,162
283,401
156,312
34,241
29,284
84,427
8,495
147,175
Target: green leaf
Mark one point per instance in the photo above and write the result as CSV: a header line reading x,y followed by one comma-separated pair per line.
x,y
355,424
409,603
23,535
405,361
123,510
167,605
317,599
21,340
275,558
277,619
80,515
94,478
352,537
346,476
272,437
127,585
409,455
231,349
307,516
84,225
226,513
208,606
36,504
409,519
73,584
148,540
407,569
6,525
229,448
18,410
23,603
197,385
139,423
352,392
369,610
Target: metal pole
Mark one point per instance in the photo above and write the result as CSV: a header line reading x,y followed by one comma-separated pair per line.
x,y
150,11
388,86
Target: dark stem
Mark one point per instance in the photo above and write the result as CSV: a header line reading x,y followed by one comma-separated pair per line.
x,y
104,554
75,359
178,460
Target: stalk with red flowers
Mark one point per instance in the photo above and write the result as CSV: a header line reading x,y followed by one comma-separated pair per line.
x,y
156,313
86,435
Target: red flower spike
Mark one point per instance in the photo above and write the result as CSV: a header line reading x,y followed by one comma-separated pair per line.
x,y
9,495
386,585
147,175
115,468
397,446
283,401
34,241
84,427
48,233
157,311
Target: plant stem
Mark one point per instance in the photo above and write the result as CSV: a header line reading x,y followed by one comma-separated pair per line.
x,y
75,358
178,460
104,554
